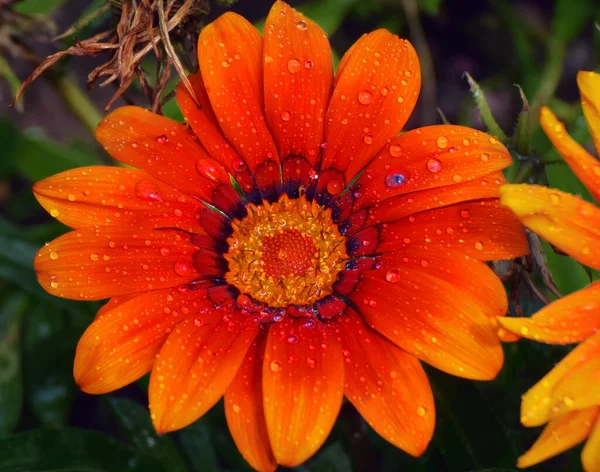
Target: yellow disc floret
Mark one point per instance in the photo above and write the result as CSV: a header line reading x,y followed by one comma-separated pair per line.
x,y
287,252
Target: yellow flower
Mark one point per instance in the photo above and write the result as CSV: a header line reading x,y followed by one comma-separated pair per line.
x,y
567,398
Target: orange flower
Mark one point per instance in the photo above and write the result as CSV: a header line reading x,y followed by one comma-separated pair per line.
x,y
290,250
568,398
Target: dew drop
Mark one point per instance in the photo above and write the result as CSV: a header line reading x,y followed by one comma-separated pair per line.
x,y
313,174
434,165
53,255
368,139
285,115
310,362
292,339
182,268
54,213
334,187
478,245
244,300
94,257
395,150
308,64
275,366
268,59
162,139
484,157
365,97
400,99
421,411
147,190
238,165
395,179
392,276
71,197
457,178
442,142
198,322
301,25
464,214
54,284
165,251
393,374
294,66
236,408
208,167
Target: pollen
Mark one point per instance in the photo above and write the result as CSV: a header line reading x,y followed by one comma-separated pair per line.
x,y
289,252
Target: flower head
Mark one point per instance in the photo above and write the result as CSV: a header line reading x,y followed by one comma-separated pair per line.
x,y
567,398
286,247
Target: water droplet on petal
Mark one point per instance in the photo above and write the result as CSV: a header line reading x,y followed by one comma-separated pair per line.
x,y
94,257
275,366
236,408
442,142
208,167
368,139
71,197
53,255
54,284
421,411
434,165
238,165
162,139
292,339
268,59
393,374
395,179
365,97
182,268
395,150
464,213
485,157
301,25
310,362
147,190
294,66
392,276
285,115
334,187
478,245
308,64
165,251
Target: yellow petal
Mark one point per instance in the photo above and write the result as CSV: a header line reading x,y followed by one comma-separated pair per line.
x,y
571,319
536,406
590,456
580,161
589,87
564,220
561,434
575,391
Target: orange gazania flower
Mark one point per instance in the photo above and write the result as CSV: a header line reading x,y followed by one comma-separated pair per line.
x,y
286,247
568,398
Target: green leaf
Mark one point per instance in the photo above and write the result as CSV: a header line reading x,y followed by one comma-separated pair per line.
x,y
11,377
568,21
134,423
70,449
329,14
37,7
568,274
37,157
333,458
196,443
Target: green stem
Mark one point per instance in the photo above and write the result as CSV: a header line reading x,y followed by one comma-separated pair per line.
x,y
549,78
76,100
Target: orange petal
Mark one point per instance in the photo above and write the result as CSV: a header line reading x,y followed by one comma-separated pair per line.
x,y
590,456
195,366
230,58
426,317
203,121
121,344
168,151
536,406
95,264
298,68
245,413
387,386
568,222
561,434
303,377
573,391
470,277
586,168
400,206
430,157
374,94
480,229
565,321
589,87
112,196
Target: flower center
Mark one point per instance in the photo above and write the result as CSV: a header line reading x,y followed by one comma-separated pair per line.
x,y
285,253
